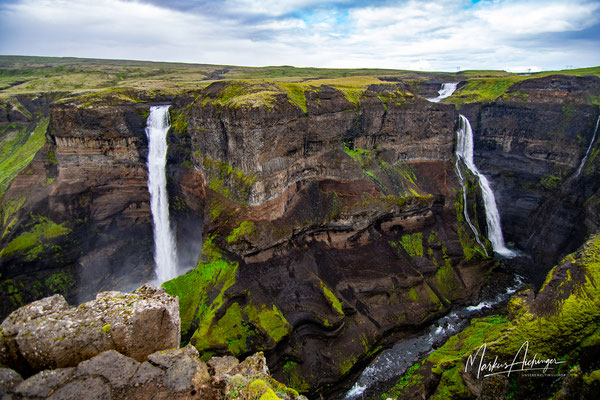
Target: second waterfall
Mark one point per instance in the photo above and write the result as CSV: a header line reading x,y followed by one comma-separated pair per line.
x,y
464,152
165,253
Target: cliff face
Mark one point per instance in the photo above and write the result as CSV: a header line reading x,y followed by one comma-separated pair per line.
x,y
530,142
78,220
326,220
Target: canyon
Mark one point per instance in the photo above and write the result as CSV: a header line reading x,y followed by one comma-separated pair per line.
x,y
316,221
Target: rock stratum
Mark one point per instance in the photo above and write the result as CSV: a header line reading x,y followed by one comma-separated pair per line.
x,y
318,222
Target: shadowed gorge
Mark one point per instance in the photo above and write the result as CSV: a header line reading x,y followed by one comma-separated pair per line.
x,y
321,218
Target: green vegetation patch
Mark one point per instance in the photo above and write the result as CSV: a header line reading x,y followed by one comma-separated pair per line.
x,y
244,329
32,242
201,291
16,154
244,230
410,378
469,245
483,90
230,182
333,300
238,328
412,244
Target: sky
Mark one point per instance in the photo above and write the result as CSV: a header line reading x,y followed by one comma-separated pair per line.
x,y
442,35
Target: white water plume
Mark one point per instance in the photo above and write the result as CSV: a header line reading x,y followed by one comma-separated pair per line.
x,y
587,153
464,152
446,91
165,253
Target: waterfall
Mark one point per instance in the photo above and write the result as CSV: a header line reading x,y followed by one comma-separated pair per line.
x,y
584,159
464,152
446,91
465,208
165,254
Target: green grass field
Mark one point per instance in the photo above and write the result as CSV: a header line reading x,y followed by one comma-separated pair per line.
x,y
24,74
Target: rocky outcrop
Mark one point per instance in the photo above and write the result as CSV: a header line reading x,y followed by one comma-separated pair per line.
x,y
168,374
51,334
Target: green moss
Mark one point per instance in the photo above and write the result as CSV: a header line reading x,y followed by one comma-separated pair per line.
x,y
333,300
451,386
237,94
230,182
409,378
16,154
244,230
202,297
201,291
239,328
412,244
60,282
106,328
294,377
468,243
483,90
179,122
215,209
296,93
10,207
51,157
447,282
412,295
364,157
32,242
270,320
552,182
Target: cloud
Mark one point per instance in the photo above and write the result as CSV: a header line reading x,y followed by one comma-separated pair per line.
x,y
437,35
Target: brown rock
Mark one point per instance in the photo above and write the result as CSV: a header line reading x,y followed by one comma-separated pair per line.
x,y
44,383
8,380
86,388
222,365
50,334
111,365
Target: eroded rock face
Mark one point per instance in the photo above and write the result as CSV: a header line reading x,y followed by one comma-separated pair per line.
x,y
168,374
323,225
51,334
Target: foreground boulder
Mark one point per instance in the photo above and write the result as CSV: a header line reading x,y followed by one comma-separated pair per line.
x,y
50,333
168,374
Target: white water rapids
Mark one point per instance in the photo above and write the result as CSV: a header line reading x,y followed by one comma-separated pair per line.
x,y
446,91
464,152
165,254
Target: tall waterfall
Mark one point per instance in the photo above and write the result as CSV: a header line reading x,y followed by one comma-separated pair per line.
x,y
165,254
464,152
446,91
587,153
